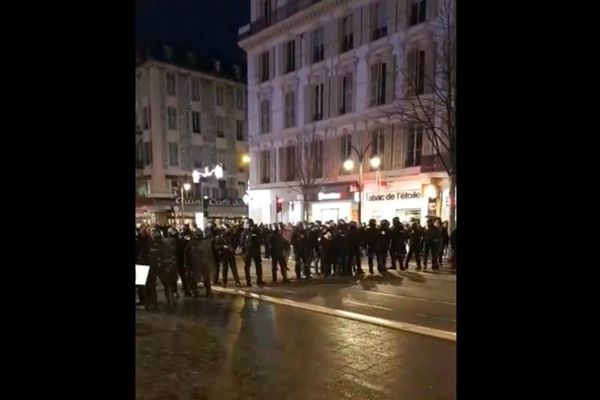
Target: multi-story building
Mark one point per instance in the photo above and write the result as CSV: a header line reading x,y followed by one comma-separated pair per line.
x,y
320,76
191,114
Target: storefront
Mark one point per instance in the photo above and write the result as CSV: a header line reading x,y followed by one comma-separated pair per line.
x,y
387,204
406,200
332,203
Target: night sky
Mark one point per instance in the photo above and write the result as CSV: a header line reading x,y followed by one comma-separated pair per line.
x,y
207,27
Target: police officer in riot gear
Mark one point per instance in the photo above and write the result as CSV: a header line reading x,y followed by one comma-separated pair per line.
x,y
372,243
199,262
398,243
300,244
342,250
162,265
277,246
211,232
415,244
225,245
385,237
250,242
433,242
326,250
354,243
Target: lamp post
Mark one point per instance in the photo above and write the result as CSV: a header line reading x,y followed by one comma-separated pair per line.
x,y
349,166
184,188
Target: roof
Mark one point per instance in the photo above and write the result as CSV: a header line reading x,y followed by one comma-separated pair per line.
x,y
183,58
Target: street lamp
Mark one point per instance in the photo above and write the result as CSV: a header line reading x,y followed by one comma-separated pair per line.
x,y
184,188
245,159
375,162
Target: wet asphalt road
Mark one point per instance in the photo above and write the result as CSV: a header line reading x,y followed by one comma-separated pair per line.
x,y
269,351
421,298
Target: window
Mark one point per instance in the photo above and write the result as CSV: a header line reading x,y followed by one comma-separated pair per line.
x,y
171,118
418,12
416,67
221,157
265,9
173,154
195,90
378,20
290,109
377,149
147,153
229,96
195,122
215,194
346,94
265,166
170,84
290,168
264,66
414,145
318,102
346,149
265,117
220,127
290,56
239,99
378,84
219,95
317,158
239,130
146,117
346,34
318,47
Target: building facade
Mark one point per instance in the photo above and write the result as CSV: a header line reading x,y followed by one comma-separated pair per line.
x,y
190,115
323,77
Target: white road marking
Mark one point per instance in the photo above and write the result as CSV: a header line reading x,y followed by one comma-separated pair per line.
x,y
436,317
356,303
368,385
386,323
382,293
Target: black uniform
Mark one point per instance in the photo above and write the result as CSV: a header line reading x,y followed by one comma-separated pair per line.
x,y
342,250
445,242
398,244
278,246
372,243
199,259
354,244
181,270
142,249
384,239
162,265
433,243
250,243
225,245
326,250
211,233
300,244
415,244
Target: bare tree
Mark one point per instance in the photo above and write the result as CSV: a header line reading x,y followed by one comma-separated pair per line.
x,y
429,100
308,165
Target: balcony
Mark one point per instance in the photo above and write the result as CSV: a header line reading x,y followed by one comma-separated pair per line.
x,y
285,11
432,163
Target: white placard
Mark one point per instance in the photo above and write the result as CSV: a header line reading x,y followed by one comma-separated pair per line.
x,y
141,274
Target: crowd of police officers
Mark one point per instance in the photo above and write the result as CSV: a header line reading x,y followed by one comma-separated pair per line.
x,y
193,256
